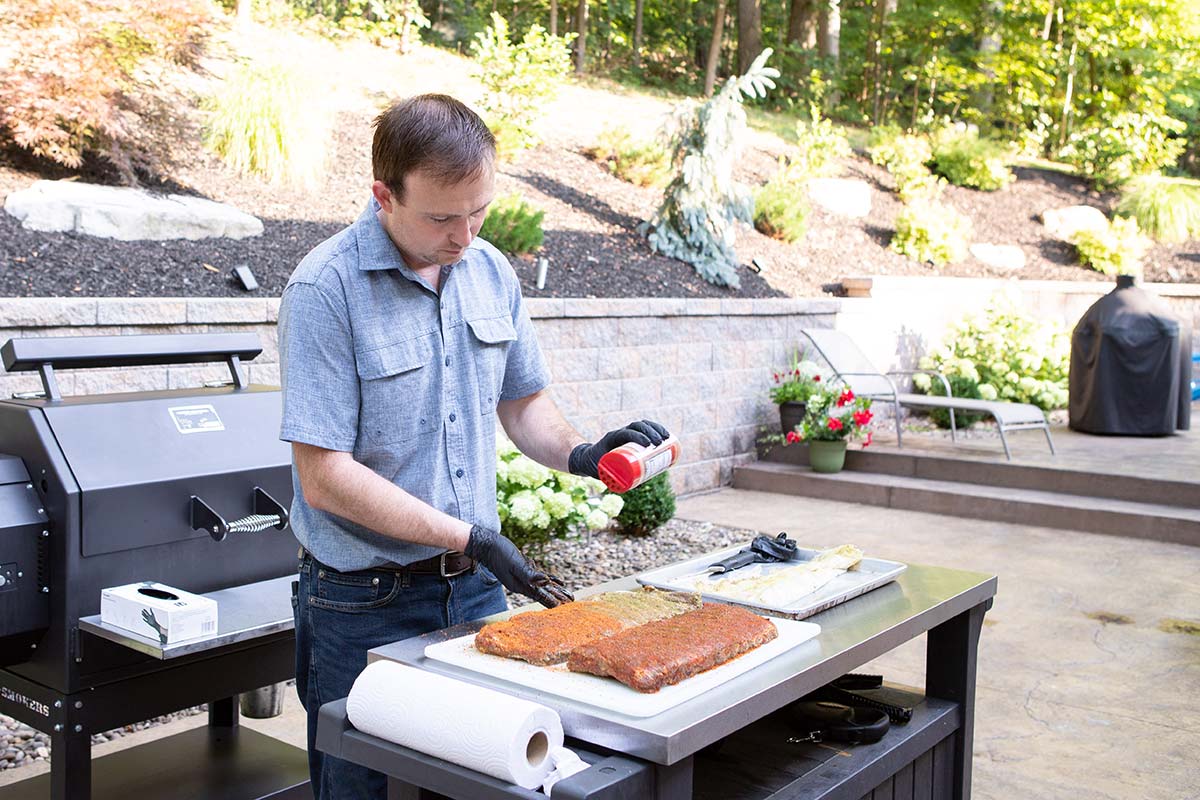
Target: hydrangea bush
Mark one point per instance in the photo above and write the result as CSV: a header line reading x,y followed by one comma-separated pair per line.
x,y
1001,354
538,504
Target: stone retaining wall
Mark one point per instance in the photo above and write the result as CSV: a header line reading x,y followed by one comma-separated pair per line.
x,y
701,367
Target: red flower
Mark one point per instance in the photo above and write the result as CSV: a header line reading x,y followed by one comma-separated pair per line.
x,y
793,437
847,396
867,443
817,378
835,424
861,418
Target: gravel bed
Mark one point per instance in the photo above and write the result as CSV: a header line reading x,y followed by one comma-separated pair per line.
x,y
581,562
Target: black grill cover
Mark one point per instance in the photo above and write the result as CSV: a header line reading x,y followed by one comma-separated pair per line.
x,y
1131,366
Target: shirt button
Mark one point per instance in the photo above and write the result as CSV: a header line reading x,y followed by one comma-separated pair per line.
x,y
452,418
447,361
459,473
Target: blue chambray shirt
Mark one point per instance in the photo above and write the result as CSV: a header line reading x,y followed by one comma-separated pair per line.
x,y
375,363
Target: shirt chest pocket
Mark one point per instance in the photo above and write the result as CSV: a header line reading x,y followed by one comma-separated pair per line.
x,y
492,338
399,392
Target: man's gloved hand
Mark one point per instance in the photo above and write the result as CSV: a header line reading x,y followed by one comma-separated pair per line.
x,y
496,552
585,458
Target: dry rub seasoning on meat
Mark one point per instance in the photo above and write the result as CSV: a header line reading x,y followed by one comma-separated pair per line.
x,y
547,636
667,651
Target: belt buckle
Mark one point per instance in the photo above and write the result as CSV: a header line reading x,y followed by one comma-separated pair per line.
x,y
442,567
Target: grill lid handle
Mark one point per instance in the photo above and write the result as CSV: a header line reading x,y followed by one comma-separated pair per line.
x,y
94,352
268,513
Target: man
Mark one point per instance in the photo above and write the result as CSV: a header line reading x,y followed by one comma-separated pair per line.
x,y
402,339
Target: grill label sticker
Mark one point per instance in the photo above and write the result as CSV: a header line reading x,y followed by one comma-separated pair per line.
x,y
196,419
35,706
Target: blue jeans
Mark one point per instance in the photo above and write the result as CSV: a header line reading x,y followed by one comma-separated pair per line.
x,y
342,615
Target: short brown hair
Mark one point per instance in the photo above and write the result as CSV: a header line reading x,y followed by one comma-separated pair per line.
x,y
434,133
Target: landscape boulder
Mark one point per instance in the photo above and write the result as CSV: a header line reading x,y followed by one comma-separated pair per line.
x,y
127,214
845,197
1063,223
1007,257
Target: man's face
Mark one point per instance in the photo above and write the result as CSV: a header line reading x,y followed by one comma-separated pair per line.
x,y
435,222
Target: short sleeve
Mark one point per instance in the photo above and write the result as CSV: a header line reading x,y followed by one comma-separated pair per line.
x,y
317,369
525,371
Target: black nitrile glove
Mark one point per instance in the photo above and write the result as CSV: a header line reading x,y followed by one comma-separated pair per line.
x,y
496,552
585,458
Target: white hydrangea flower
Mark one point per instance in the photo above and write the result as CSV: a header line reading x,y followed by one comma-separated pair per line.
x,y
987,391
612,504
544,492
524,507
558,505
527,472
596,519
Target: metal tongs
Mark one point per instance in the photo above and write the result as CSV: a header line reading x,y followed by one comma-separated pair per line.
x,y
763,549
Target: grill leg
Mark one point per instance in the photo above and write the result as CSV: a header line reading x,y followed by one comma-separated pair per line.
x,y
71,764
223,713
951,659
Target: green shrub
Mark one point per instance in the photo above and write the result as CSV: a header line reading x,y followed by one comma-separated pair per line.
x,y
513,226
647,507
821,144
905,156
927,230
780,207
537,504
1115,250
1168,209
643,163
262,121
966,160
1132,144
1001,354
518,80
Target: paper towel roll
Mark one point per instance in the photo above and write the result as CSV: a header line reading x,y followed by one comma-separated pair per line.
x,y
485,730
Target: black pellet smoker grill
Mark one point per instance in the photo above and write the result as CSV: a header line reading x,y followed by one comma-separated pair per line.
x,y
185,487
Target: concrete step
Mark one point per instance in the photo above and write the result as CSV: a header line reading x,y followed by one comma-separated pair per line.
x,y
1010,475
1157,521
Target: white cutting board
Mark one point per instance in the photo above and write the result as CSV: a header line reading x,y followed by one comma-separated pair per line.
x,y
608,693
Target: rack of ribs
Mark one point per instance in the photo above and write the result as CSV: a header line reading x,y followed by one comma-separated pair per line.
x,y
667,651
547,636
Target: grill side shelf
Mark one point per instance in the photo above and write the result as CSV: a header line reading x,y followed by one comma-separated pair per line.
x,y
243,613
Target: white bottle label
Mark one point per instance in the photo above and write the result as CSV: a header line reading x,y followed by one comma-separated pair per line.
x,y
656,464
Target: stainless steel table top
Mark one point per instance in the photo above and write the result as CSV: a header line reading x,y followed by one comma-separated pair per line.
x,y
851,634
243,612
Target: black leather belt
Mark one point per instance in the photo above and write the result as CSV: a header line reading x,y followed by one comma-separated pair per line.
x,y
447,565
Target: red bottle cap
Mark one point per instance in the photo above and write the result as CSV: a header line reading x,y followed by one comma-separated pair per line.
x,y
619,470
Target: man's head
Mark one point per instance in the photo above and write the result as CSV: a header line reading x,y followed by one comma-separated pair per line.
x,y
433,163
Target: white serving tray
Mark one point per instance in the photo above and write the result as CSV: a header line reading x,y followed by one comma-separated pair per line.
x,y
608,693
870,573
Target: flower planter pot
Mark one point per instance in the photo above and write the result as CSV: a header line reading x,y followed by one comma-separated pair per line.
x,y
790,415
827,456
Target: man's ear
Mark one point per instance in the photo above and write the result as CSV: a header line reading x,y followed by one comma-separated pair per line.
x,y
383,196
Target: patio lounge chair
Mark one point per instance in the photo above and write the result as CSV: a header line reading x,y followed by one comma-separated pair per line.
x,y
852,367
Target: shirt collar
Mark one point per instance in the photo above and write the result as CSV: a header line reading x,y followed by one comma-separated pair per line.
x,y
376,250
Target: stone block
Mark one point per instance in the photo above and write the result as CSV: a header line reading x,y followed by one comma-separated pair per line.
x,y
641,393
757,353
266,374
113,381
573,364
141,310
596,332
667,306
715,444
23,382
160,330
43,312
694,357
747,329
191,376
638,331
268,339
222,310
555,334
731,306
617,362
604,307
701,416
702,477
655,360
596,397
544,307
273,304
702,306
566,397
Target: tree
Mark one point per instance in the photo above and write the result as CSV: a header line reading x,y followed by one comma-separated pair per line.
x,y
639,7
581,21
749,34
554,17
697,219
802,24
714,50
829,30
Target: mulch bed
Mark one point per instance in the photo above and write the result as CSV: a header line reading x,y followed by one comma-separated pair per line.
x,y
591,245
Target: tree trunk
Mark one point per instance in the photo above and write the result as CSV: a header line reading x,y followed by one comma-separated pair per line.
x,y
989,48
829,30
714,50
883,10
581,17
639,5
554,17
749,33
802,24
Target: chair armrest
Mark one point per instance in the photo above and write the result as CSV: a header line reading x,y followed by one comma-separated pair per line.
x,y
841,375
940,376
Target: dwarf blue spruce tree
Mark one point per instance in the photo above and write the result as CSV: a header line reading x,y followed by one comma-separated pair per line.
x,y
697,220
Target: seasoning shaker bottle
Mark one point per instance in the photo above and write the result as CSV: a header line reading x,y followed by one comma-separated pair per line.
x,y
631,465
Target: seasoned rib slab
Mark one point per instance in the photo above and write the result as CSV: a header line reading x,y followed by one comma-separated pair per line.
x,y
667,651
548,635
